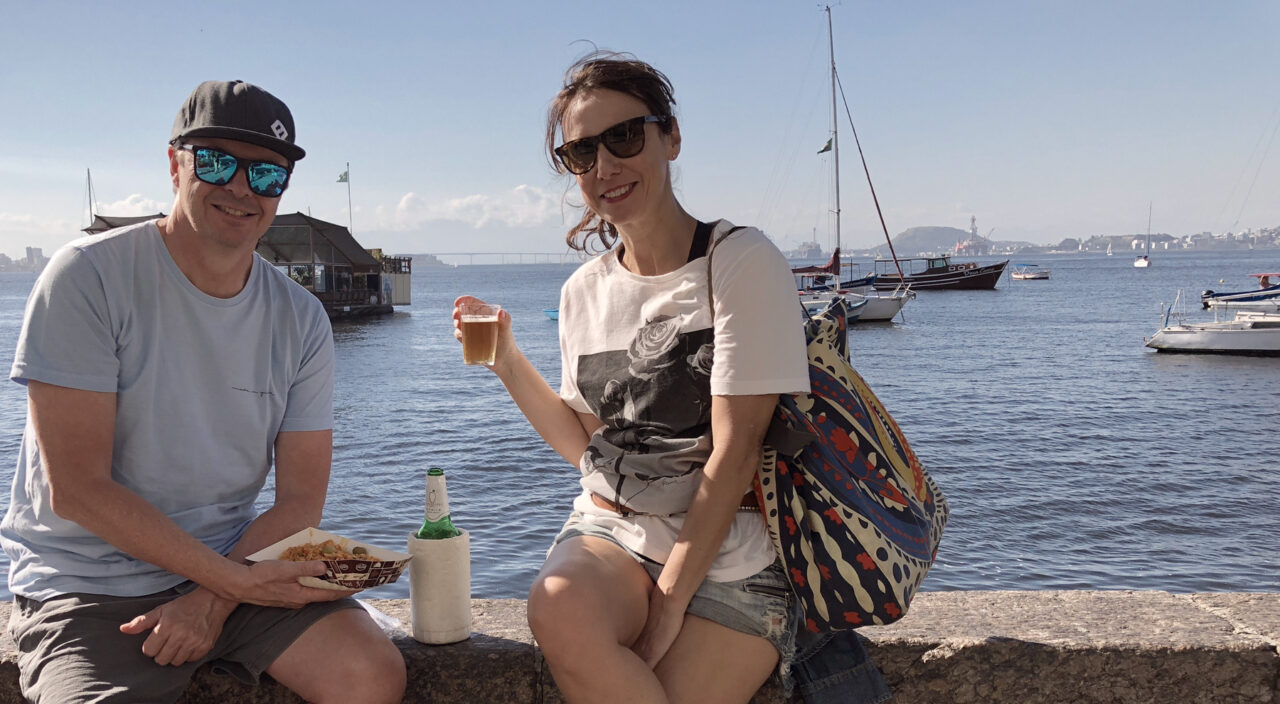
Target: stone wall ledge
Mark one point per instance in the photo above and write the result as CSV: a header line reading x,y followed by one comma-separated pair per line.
x,y
989,647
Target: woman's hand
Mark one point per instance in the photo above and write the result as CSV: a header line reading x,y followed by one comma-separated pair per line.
x,y
506,349
660,629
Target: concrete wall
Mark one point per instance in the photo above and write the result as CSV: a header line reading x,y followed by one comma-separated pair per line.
x,y
1081,647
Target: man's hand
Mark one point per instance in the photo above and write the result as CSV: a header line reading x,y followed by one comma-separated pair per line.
x,y
275,583
183,630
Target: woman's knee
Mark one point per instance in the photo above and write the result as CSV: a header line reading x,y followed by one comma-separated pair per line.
x,y
551,607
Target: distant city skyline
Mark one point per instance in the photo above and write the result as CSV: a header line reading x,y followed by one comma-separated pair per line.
x,y
1046,121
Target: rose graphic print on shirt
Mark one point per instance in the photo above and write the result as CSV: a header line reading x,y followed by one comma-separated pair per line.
x,y
655,400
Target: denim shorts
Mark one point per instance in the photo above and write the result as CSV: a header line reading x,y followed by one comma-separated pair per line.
x,y
761,605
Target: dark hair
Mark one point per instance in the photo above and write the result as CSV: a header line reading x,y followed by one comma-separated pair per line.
x,y
622,73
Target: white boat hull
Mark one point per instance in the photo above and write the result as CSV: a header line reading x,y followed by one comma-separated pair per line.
x,y
883,307
870,307
1250,333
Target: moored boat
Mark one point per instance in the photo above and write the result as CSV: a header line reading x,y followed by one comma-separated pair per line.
x,y
826,282
1250,332
939,273
1028,272
1265,298
852,305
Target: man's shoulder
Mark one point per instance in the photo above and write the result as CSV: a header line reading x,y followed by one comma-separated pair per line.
x,y
124,237
299,298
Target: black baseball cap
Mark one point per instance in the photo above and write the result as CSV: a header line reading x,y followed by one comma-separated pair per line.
x,y
240,111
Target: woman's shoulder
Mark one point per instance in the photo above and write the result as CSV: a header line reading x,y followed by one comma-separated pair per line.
x,y
592,269
743,241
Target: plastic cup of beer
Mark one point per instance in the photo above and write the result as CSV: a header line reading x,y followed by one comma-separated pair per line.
x,y
479,332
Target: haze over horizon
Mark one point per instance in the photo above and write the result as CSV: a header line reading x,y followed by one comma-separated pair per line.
x,y
1044,121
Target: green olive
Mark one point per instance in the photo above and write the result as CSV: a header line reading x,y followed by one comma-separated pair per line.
x,y
328,550
359,551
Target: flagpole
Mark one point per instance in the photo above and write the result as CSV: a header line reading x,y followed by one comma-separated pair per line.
x,y
349,220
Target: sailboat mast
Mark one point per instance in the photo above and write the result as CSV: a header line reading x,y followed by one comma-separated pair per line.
x,y
89,193
835,130
1148,227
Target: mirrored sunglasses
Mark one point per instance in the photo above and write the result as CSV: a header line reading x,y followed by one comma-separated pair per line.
x,y
623,140
218,168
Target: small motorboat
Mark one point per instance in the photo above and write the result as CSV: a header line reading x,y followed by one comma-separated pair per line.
x,y
552,313
1029,271
1265,298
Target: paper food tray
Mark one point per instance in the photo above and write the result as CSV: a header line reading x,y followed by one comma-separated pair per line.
x,y
382,567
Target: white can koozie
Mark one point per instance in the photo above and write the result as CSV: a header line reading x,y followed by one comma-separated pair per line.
x,y
440,589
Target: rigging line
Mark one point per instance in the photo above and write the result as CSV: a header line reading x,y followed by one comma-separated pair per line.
x,y
1256,171
1231,196
788,152
845,100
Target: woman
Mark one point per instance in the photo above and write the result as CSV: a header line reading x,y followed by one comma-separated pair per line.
x,y
663,585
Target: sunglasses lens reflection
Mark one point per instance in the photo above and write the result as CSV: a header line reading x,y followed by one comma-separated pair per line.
x,y
218,168
215,167
580,156
267,179
625,140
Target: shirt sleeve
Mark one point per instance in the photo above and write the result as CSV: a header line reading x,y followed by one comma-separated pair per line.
x,y
759,329
68,334
568,359
310,404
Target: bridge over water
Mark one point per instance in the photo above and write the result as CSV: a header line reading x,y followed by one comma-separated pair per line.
x,y
471,258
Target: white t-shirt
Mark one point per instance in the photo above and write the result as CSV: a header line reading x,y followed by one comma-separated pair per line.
x,y
203,386
643,355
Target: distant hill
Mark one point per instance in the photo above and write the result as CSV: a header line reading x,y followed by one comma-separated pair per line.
x,y
424,260
919,241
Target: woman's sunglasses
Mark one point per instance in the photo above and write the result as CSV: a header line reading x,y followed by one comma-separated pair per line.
x,y
624,140
218,168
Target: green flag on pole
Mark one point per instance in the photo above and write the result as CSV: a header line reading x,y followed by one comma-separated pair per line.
x,y
825,148
342,177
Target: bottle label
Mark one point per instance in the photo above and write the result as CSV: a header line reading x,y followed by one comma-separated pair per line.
x,y
437,499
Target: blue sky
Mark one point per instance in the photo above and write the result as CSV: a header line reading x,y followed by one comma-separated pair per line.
x,y
1044,120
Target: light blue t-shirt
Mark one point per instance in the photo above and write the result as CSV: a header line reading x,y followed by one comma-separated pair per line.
x,y
203,385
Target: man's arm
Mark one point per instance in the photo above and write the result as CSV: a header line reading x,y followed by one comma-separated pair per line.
x,y
186,628
75,430
303,460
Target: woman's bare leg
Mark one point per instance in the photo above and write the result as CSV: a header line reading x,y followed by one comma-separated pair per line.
x,y
714,664
586,607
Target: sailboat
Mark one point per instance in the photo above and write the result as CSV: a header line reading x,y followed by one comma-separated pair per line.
x,y
1108,249
1144,260
871,306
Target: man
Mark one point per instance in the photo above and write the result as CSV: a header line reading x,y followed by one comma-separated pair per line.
x,y
167,366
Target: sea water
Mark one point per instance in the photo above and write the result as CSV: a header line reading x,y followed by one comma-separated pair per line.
x,y
1072,456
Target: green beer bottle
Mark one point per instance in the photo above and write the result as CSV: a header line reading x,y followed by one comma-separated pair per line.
x,y
437,525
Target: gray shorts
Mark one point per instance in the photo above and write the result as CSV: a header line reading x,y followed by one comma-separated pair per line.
x,y
70,648
761,605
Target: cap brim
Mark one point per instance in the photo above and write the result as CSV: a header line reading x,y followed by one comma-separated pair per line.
x,y
288,150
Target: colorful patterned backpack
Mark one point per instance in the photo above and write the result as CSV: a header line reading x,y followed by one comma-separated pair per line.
x,y
851,511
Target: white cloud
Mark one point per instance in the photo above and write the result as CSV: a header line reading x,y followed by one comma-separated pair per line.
x,y
135,204
522,206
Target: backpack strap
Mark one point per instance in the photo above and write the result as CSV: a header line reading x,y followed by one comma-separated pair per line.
x,y
711,293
